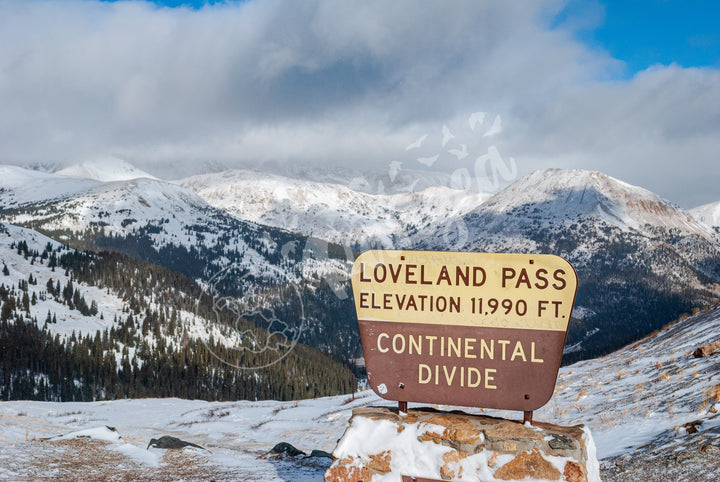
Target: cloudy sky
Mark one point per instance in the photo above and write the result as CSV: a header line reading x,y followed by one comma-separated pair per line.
x,y
627,87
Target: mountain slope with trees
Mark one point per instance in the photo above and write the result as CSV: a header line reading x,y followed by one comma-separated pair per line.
x,y
83,326
168,225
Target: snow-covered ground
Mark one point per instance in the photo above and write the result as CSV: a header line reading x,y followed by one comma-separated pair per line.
x,y
234,434
646,390
639,403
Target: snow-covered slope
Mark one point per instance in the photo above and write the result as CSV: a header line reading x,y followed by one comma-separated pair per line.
x,y
395,180
120,208
111,307
105,170
20,186
331,211
20,269
708,214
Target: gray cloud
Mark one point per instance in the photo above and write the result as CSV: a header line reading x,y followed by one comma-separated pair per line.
x,y
344,82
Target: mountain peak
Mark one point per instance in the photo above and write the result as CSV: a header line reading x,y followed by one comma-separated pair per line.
x,y
708,214
105,170
572,193
553,181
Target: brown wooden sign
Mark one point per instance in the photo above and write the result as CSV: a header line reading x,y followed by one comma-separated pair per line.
x,y
473,329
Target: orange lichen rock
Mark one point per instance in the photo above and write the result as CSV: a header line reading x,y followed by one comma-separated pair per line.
x,y
455,429
451,466
530,465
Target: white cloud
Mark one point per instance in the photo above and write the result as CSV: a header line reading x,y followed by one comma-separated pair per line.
x,y
343,82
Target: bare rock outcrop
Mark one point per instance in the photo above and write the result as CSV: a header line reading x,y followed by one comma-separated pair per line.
x,y
706,350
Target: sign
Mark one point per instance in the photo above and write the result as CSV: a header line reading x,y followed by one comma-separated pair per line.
x,y
472,329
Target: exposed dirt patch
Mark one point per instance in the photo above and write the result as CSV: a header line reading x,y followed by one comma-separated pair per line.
x,y
87,459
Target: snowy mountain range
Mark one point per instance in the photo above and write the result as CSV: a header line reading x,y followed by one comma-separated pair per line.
x,y
331,211
24,186
105,170
636,253
642,261
578,193
165,215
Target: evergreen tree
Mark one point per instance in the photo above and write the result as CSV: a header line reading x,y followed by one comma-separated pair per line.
x,y
26,303
6,312
50,287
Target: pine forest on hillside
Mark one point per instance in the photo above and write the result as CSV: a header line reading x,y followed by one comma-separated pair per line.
x,y
147,351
